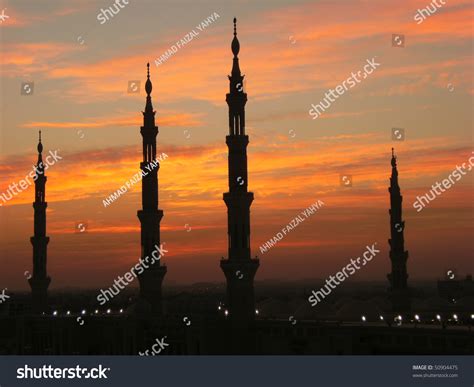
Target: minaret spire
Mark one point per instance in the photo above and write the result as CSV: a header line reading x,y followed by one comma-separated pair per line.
x,y
149,113
236,98
150,215
239,268
399,292
39,282
39,164
235,50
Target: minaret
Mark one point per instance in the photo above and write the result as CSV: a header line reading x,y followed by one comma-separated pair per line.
x,y
399,292
239,268
150,216
39,281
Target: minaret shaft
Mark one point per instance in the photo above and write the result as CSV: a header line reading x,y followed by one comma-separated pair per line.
x,y
398,277
150,215
239,268
39,282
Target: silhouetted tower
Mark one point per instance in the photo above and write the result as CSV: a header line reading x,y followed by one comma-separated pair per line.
x,y
399,292
39,281
239,268
150,216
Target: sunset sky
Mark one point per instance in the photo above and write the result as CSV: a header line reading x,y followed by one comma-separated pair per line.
x,y
291,52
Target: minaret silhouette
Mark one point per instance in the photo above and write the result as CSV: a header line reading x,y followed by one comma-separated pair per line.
x,y
150,216
399,292
39,281
239,268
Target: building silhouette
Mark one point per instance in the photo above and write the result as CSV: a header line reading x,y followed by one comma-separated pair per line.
x,y
39,281
150,215
456,288
398,291
239,268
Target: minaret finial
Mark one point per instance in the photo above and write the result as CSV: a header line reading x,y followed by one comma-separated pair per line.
x,y
394,159
148,85
40,145
235,42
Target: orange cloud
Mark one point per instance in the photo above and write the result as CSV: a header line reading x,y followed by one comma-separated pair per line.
x,y
331,39
323,55
173,120
285,174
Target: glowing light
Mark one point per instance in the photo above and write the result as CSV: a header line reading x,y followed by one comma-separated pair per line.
x,y
363,318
